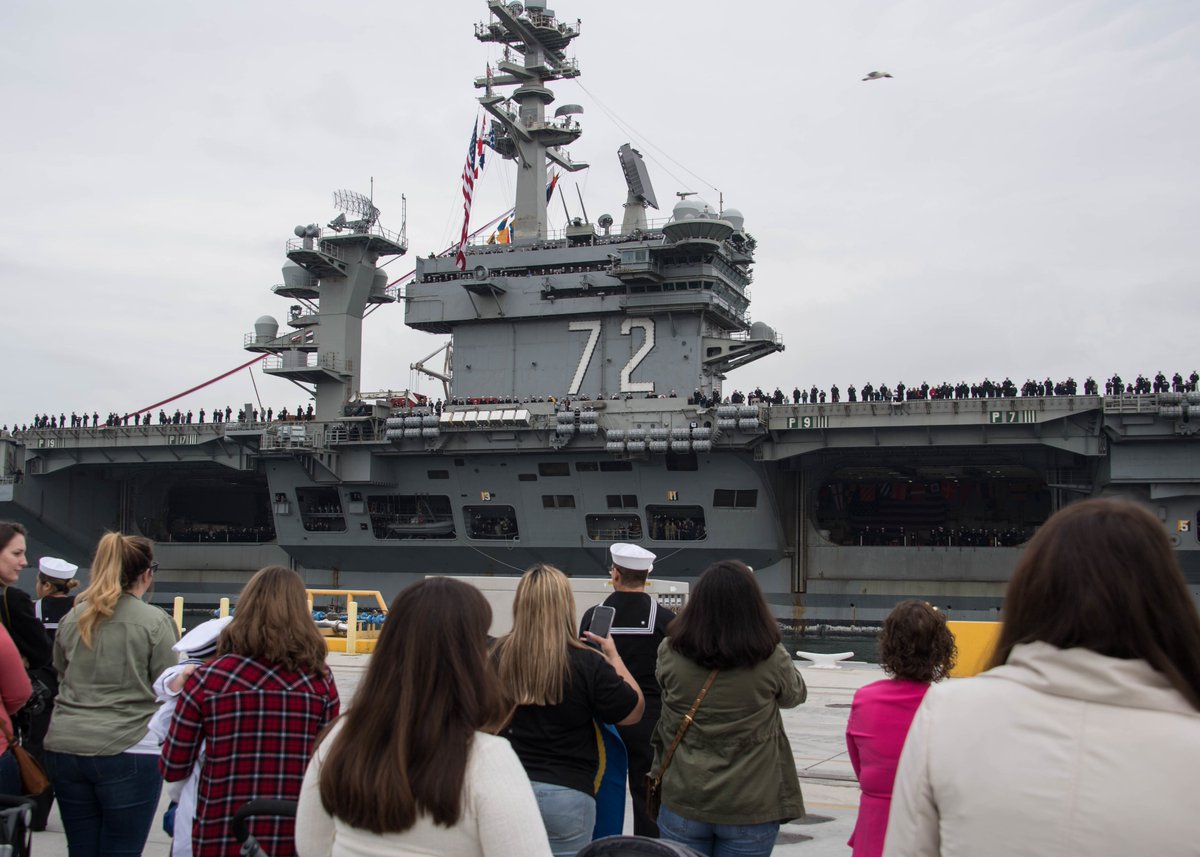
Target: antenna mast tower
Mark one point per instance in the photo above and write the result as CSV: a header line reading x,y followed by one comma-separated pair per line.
x,y
524,135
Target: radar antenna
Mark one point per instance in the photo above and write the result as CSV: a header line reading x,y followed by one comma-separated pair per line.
x,y
356,205
641,192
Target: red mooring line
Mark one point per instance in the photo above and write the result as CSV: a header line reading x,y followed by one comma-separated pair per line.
x,y
250,362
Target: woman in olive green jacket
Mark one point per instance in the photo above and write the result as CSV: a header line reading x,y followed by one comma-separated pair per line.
x,y
732,779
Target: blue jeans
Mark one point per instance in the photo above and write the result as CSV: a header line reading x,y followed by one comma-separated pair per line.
x,y
569,816
107,803
10,775
718,840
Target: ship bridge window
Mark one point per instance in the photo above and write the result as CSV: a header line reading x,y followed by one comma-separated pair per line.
x,y
676,523
613,528
321,510
615,466
622,501
558,501
410,516
554,468
729,498
491,522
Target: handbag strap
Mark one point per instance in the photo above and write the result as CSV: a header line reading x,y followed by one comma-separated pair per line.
x,y
686,722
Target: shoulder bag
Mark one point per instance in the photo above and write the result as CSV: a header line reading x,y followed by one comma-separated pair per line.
x,y
33,777
654,781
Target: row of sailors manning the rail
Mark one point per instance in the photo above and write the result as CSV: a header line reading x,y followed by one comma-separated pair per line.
x,y
180,417
986,389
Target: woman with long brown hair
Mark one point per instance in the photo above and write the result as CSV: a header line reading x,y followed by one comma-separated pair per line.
x,y
557,687
732,778
1083,736
254,712
412,769
109,649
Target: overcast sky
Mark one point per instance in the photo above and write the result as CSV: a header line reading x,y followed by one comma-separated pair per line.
x,y
1021,199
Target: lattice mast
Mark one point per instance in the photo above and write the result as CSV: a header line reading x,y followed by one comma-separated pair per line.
x,y
522,133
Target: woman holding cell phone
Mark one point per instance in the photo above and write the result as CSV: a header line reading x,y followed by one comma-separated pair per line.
x,y
555,687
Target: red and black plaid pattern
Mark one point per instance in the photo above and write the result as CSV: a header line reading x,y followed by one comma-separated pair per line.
x,y
257,724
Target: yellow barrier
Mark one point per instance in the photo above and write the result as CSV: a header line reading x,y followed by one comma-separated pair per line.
x,y
357,641
976,641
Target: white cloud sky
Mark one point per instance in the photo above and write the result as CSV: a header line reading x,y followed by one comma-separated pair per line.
x,y
1019,200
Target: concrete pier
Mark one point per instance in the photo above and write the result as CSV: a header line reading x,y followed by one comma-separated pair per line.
x,y
816,730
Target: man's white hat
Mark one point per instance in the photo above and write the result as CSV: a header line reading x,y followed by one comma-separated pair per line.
x,y
201,641
632,557
55,567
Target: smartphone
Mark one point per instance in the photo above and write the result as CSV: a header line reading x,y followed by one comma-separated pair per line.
x,y
602,619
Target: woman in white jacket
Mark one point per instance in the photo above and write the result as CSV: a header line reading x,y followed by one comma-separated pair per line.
x,y
1084,736
409,770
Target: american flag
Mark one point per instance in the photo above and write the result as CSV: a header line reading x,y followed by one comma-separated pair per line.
x,y
468,191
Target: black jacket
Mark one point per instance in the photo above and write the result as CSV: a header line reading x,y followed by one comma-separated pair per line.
x,y
16,614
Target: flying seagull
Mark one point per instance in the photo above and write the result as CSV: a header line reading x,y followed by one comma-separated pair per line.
x,y
877,75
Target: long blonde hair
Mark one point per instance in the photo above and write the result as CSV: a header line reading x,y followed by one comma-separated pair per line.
x,y
120,560
533,660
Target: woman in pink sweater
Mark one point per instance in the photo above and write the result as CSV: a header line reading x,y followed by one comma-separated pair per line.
x,y
915,649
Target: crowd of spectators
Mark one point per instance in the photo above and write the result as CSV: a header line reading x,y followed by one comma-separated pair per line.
x,y
215,534
899,536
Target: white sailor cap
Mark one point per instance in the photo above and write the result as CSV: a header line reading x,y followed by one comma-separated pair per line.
x,y
201,641
55,567
632,557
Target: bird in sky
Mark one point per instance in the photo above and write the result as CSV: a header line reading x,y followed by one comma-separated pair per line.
x,y
877,75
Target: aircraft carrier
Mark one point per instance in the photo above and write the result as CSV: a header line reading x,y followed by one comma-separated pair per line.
x,y
584,403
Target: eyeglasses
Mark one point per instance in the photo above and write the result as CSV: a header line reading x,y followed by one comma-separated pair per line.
x,y
154,568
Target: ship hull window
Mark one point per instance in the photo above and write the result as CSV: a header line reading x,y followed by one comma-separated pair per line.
x,y
491,523
676,523
682,461
614,528
554,468
558,501
728,498
321,510
410,516
968,511
622,501
221,511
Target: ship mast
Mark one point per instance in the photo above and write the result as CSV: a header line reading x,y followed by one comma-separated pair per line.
x,y
521,130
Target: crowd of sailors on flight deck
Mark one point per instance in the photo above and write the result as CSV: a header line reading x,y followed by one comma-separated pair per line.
x,y
474,746
180,417
986,389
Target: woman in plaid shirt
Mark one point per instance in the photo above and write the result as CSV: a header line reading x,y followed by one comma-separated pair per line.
x,y
253,714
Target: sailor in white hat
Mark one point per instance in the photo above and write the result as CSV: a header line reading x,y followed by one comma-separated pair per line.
x,y
639,625
55,584
195,648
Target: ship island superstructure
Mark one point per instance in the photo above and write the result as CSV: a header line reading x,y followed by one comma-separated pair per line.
x,y
584,404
